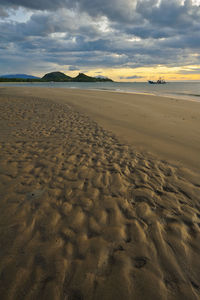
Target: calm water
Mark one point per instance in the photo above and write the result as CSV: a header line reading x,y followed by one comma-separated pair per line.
x,y
184,90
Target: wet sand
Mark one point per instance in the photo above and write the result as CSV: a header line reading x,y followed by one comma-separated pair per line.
x,y
86,213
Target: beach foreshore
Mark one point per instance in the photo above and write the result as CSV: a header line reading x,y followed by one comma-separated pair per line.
x,y
168,128
100,195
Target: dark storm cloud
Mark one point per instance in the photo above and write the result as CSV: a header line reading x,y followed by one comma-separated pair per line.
x,y
36,4
171,13
115,33
114,9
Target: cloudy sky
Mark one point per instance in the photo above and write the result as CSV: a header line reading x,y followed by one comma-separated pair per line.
x,y
127,40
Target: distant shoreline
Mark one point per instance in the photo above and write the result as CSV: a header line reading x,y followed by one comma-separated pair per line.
x,y
54,77
140,88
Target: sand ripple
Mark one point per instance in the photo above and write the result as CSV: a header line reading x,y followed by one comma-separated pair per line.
x,y
83,216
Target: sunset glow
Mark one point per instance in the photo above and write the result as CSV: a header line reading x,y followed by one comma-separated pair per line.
x,y
122,40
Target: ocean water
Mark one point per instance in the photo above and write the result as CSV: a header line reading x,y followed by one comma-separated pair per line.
x,y
182,90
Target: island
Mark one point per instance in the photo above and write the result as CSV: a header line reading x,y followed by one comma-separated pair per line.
x,y
53,77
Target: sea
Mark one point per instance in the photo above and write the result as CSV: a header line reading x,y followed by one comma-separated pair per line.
x,y
180,90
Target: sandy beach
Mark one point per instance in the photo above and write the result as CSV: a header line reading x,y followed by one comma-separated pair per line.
x,y
100,195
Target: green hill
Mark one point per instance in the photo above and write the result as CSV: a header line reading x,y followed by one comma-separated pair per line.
x,y
59,76
56,76
84,78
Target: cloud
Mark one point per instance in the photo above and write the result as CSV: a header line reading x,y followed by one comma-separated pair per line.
x,y
3,13
131,77
36,4
83,34
190,71
73,68
114,9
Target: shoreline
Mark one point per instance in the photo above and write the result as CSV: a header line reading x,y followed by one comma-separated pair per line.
x,y
170,96
186,97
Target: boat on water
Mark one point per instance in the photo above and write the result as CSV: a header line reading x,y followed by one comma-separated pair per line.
x,y
159,81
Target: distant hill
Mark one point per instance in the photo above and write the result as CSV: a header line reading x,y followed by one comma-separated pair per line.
x,y
84,78
21,76
53,76
56,76
59,76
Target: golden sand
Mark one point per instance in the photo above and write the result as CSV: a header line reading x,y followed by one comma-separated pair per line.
x,y
84,215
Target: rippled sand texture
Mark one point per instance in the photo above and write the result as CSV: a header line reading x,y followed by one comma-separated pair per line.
x,y
85,217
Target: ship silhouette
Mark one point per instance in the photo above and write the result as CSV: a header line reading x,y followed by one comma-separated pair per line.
x,y
159,81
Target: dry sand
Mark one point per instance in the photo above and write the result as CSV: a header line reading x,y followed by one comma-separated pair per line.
x,y
85,214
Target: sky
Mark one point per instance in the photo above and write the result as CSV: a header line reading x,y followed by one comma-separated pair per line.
x,y
126,40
